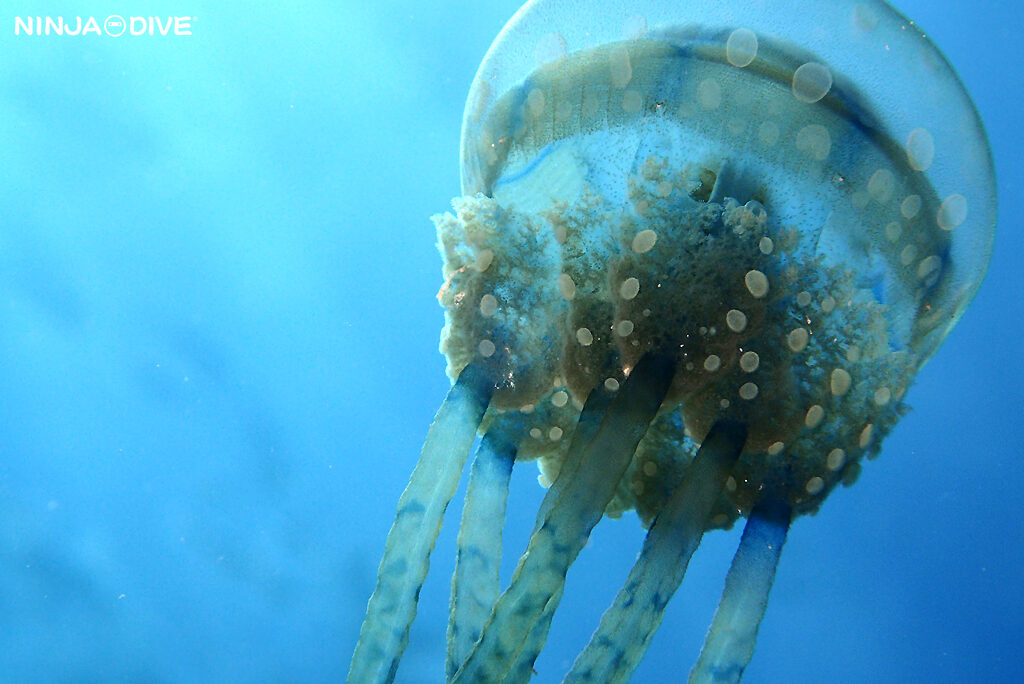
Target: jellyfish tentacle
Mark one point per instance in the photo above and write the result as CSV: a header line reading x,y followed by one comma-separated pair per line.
x,y
469,626
555,545
586,427
475,584
729,645
522,670
392,607
627,627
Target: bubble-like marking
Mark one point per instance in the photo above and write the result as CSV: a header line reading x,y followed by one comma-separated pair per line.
x,y
637,487
736,320
828,303
624,328
611,384
555,434
748,391
619,66
528,408
920,149
712,363
709,94
730,484
853,353
756,282
814,416
535,103
814,485
561,234
650,468
839,382
629,288
741,47
756,211
797,339
567,286
483,260
893,230
737,125
536,433
632,101
928,265
550,50
585,337
663,189
952,212
749,361
908,254
488,305
644,241
641,207
910,207
803,298
815,141
881,185
811,82
486,348
882,396
765,245
865,436
725,403
543,481
835,459
775,448
560,398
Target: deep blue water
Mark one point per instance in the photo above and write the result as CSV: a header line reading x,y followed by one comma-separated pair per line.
x,y
218,360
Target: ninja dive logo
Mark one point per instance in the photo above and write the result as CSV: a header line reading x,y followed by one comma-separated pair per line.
x,y
115,25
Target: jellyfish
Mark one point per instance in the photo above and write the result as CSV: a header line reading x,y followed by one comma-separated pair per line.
x,y
700,253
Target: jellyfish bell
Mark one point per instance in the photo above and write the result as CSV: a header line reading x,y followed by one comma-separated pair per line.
x,y
701,251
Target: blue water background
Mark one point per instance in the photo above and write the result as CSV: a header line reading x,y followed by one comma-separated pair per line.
x,y
218,360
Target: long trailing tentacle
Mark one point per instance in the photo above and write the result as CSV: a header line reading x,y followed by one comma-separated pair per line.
x,y
392,607
627,627
475,584
733,632
555,545
522,669
586,427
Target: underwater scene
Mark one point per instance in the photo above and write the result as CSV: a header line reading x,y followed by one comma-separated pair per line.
x,y
485,310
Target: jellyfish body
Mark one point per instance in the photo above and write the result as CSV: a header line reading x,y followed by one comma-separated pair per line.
x,y
694,269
